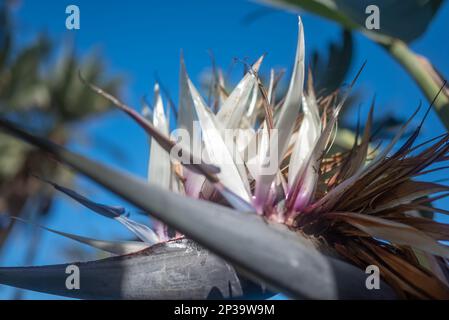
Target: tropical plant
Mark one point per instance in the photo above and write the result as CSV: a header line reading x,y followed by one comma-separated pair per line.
x,y
308,229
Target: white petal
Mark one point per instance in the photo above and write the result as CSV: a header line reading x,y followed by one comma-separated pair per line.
x,y
306,139
186,113
159,167
140,230
216,148
235,105
287,117
290,109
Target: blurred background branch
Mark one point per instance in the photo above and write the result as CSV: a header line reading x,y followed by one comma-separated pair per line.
x,y
45,94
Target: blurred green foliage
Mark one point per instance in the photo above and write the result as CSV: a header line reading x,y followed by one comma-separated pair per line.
x,y
404,20
40,91
400,23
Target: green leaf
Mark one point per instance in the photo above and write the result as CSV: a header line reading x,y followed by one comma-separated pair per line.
x,y
329,70
415,15
285,123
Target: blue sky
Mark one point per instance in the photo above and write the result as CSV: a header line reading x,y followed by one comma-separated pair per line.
x,y
139,38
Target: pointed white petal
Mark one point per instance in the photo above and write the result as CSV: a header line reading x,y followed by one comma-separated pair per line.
x,y
288,114
216,148
144,233
186,111
159,167
290,109
235,105
251,113
306,139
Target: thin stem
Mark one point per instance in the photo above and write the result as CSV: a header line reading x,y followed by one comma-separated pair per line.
x,y
418,71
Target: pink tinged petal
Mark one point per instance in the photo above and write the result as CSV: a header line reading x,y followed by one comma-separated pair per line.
x,y
234,200
193,184
216,149
305,181
306,139
255,165
307,190
276,198
287,117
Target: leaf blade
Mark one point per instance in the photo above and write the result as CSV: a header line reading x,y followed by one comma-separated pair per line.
x,y
114,247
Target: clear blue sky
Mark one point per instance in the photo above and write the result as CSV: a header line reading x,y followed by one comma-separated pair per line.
x,y
139,38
